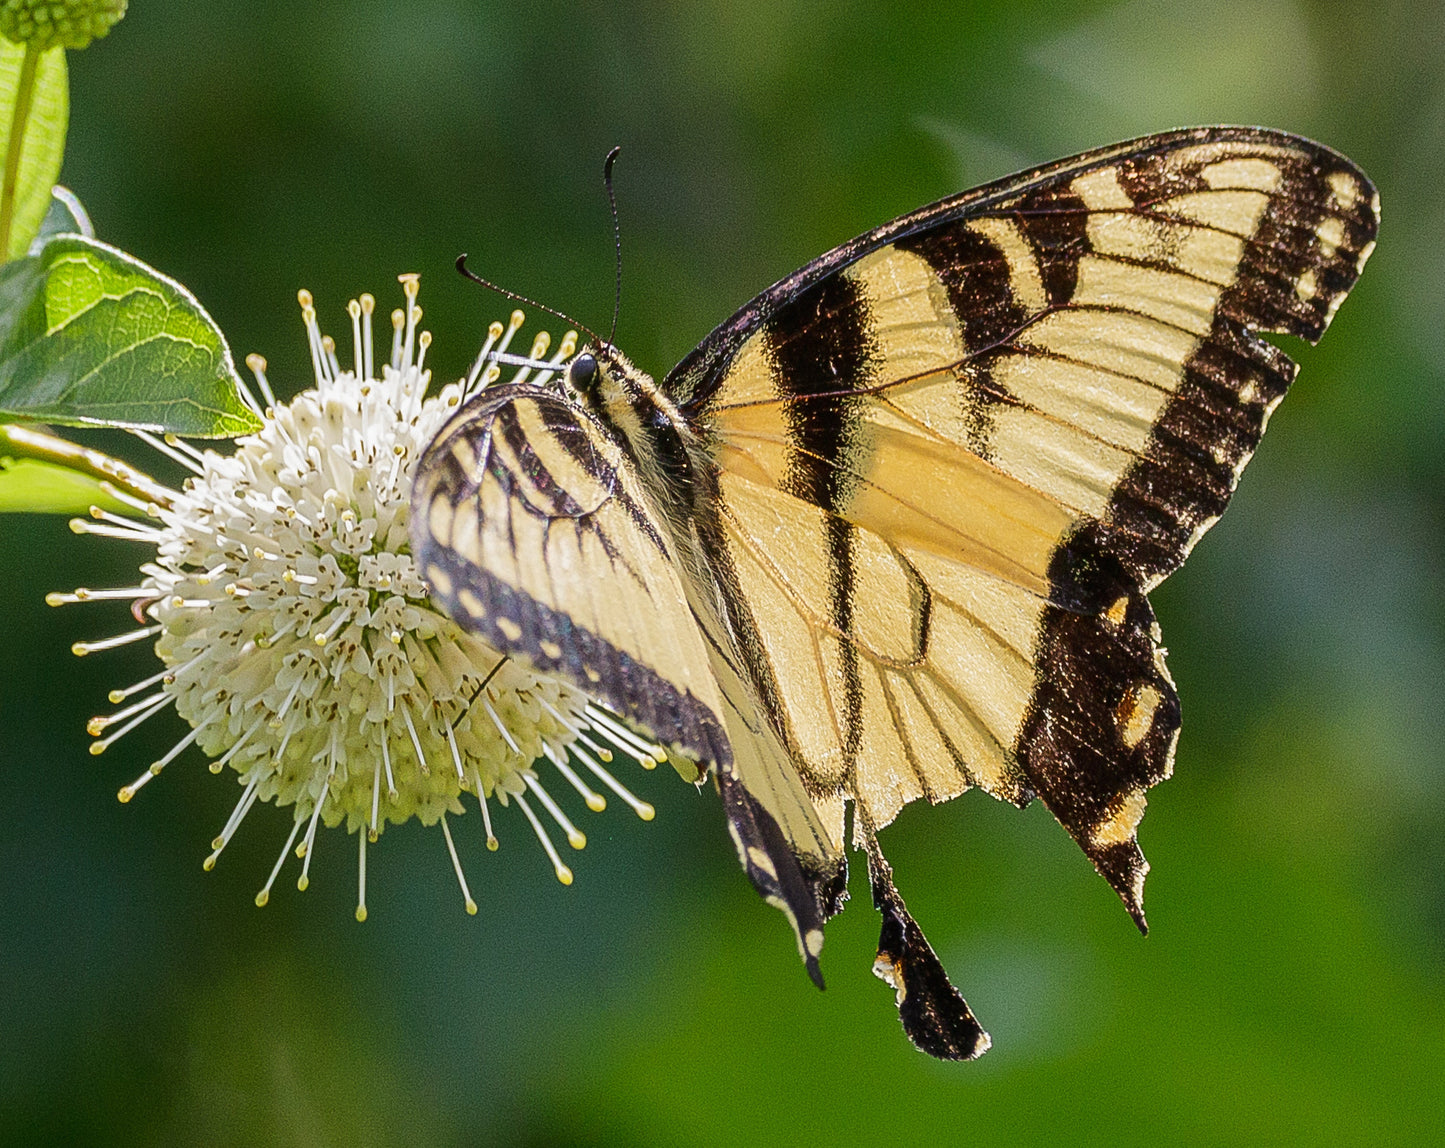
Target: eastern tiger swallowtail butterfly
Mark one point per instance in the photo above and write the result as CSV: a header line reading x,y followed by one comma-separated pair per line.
x,y
888,532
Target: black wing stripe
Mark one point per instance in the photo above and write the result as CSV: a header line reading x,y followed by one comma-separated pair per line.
x,y
486,462
828,360
1104,716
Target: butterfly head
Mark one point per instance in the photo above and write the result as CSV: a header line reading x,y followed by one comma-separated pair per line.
x,y
601,379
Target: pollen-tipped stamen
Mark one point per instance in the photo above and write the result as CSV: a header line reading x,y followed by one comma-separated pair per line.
x,y
308,845
457,866
86,594
257,364
539,348
604,753
492,843
169,451
238,815
386,763
566,723
410,284
415,743
99,724
115,697
180,444
494,332
372,831
514,324
456,756
353,308
361,877
641,808
649,754
99,747
564,874
368,307
575,837
339,618
221,762
501,729
150,509
313,334
136,532
595,801
265,894
564,352
328,348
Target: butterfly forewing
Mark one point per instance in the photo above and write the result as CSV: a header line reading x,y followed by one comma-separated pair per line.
x,y
533,531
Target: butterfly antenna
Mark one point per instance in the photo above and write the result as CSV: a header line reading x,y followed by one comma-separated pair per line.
x,y
516,298
616,235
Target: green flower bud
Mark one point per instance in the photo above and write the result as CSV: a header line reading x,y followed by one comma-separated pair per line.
x,y
69,23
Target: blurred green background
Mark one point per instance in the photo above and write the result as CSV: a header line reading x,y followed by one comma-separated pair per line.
x,y
1293,987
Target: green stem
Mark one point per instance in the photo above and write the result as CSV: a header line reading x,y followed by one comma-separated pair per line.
x,y
24,94
27,442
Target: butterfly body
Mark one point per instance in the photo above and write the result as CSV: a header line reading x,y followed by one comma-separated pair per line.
x,y
888,532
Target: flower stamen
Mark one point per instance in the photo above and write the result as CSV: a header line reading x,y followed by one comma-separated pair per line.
x,y
361,877
457,867
98,725
641,808
115,697
136,532
80,649
595,801
494,332
238,814
575,837
257,364
99,747
649,754
564,874
492,843
265,894
501,729
170,452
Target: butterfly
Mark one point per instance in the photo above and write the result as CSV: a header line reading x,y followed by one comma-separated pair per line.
x,y
888,532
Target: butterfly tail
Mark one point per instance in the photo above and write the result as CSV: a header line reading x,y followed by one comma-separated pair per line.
x,y
934,1014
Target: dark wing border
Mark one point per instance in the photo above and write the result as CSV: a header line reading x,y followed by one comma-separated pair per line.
x,y
692,382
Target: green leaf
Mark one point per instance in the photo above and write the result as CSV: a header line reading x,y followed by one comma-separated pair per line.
x,y
43,141
29,485
91,335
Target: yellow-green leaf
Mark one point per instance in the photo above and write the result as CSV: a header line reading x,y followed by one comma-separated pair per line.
x,y
91,335
29,485
43,143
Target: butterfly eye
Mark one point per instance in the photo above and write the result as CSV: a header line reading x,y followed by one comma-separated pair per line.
x,y
582,371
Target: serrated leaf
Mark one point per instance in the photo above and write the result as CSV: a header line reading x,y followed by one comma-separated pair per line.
x,y
43,145
29,485
91,335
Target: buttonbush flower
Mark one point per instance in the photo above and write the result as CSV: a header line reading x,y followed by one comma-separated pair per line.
x,y
46,23
295,632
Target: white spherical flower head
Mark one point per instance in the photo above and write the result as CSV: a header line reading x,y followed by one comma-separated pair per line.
x,y
296,634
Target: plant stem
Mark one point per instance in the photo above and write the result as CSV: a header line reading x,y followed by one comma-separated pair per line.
x,y
15,145
27,442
